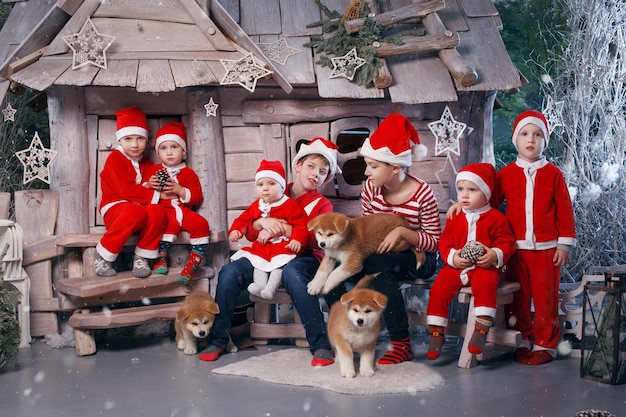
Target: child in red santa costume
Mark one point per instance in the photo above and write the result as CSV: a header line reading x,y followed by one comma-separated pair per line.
x,y
266,254
127,206
540,212
487,230
181,192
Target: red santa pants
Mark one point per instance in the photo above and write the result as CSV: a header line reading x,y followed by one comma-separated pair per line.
x,y
484,283
539,280
124,219
192,222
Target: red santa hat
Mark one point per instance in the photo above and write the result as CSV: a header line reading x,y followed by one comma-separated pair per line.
x,y
395,142
323,147
131,121
174,131
481,174
534,117
273,170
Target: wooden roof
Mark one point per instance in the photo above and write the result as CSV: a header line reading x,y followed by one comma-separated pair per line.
x,y
161,45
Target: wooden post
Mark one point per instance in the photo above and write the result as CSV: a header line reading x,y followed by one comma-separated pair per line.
x,y
70,171
206,157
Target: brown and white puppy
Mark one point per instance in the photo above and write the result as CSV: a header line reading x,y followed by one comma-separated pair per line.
x,y
194,320
348,241
353,326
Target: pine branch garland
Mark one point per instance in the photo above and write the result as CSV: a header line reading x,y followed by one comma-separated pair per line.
x,y
341,42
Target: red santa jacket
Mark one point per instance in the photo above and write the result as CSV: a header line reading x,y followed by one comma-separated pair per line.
x,y
121,179
538,206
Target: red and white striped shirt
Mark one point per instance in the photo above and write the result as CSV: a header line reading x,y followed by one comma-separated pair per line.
x,y
420,210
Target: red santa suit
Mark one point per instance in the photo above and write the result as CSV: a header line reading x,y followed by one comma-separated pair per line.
x,y
539,210
127,207
274,254
180,214
487,226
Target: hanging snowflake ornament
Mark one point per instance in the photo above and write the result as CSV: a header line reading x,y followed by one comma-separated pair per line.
x,y
346,66
36,160
211,108
244,71
9,113
278,51
553,111
89,46
447,133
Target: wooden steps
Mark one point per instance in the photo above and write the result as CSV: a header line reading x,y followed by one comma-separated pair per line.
x,y
124,317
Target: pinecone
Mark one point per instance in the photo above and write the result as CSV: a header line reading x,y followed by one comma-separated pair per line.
x,y
472,251
163,176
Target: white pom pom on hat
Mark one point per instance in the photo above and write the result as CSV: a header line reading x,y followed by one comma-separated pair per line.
x,y
395,142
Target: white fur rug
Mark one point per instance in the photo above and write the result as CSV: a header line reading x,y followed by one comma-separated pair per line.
x,y
293,367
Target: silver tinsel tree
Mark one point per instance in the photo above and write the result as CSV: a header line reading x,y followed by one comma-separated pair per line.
x,y
590,122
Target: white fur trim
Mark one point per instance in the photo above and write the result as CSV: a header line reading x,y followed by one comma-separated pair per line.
x,y
384,154
476,179
131,130
270,174
173,138
536,121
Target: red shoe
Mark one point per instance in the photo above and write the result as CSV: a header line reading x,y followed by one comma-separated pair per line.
x,y
538,357
523,354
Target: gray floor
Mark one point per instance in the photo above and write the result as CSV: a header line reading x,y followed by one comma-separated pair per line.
x,y
149,377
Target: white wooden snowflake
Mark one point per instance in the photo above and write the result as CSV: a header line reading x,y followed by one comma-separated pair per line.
x,y
553,111
36,160
244,71
346,66
211,108
278,51
89,46
9,113
447,133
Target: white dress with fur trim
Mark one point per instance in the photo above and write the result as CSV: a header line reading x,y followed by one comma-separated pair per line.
x,y
274,254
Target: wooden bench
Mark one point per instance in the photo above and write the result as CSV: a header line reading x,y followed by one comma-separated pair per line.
x,y
106,302
262,329
499,340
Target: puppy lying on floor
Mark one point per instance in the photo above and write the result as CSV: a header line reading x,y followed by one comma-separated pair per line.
x,y
348,241
354,325
194,320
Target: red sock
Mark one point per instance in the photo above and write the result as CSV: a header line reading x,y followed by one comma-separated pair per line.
x,y
479,336
400,351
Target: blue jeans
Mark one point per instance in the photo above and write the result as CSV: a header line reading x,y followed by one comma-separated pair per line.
x,y
236,276
296,275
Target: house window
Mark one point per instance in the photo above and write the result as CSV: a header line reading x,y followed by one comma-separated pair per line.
x,y
349,142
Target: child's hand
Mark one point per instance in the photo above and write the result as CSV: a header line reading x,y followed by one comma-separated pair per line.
x,y
174,189
153,183
461,263
235,235
489,258
391,241
294,246
264,237
275,227
561,257
454,209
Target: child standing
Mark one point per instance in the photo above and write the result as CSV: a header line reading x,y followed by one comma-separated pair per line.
x,y
127,206
478,223
314,165
269,254
390,189
181,192
539,210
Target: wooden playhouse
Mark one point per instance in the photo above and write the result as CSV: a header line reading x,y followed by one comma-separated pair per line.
x,y
238,74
